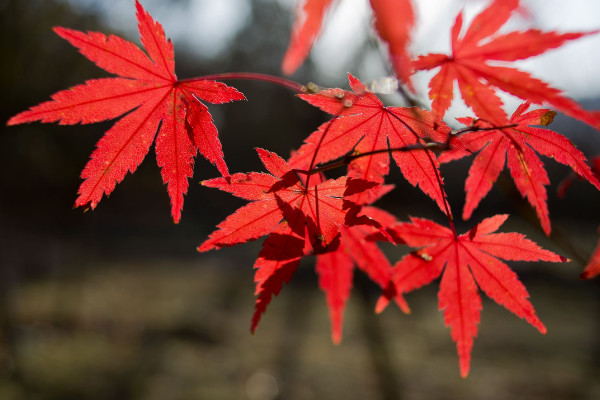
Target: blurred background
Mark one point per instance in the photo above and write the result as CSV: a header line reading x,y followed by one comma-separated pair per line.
x,y
117,304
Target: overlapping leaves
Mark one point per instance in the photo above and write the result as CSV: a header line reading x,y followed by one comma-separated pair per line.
x,y
336,268
299,211
293,214
468,65
515,144
363,125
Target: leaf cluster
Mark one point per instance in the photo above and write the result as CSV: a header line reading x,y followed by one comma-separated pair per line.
x,y
299,210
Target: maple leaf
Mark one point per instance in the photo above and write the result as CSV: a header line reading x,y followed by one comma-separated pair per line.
x,y
362,124
276,264
335,268
291,212
476,78
309,18
147,84
393,20
516,144
466,262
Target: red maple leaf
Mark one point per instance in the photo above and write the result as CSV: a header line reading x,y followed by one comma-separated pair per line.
x,y
466,262
146,84
362,124
468,65
393,20
335,268
291,212
309,18
516,144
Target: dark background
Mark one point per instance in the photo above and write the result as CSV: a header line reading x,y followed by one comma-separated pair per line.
x,y
116,303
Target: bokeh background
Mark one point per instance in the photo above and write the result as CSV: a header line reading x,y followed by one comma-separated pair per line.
x,y
117,304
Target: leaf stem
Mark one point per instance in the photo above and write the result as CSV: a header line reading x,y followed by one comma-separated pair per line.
x,y
287,83
314,157
478,129
440,146
346,160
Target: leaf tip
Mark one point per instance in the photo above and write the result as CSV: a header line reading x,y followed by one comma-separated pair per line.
x,y
289,64
205,247
465,367
382,304
336,338
406,310
176,214
84,206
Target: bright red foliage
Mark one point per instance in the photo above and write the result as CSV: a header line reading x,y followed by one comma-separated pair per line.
x,y
476,78
287,210
516,145
309,18
303,214
146,84
335,268
468,261
393,20
362,124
